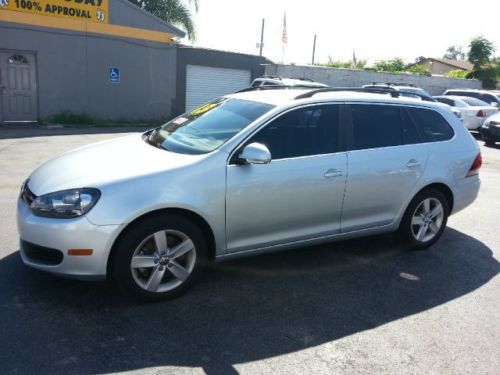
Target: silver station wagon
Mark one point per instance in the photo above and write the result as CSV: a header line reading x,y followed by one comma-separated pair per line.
x,y
252,172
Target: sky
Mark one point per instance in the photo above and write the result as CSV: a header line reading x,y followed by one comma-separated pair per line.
x,y
375,30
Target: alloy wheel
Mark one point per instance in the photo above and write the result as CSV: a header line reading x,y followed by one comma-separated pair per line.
x,y
427,220
163,261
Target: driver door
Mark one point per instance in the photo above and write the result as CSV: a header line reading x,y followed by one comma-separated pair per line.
x,y
298,195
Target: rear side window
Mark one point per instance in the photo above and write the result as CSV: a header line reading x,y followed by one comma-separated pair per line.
x,y
431,126
375,126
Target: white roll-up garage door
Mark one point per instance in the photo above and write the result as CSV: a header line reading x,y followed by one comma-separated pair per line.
x,y
204,83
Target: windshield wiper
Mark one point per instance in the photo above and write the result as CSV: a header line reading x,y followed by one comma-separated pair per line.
x,y
150,138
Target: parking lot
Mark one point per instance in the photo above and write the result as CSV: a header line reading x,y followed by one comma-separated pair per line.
x,y
359,306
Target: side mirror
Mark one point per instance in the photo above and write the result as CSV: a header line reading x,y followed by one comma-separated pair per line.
x,y
255,153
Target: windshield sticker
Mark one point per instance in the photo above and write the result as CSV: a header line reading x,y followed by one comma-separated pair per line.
x,y
180,121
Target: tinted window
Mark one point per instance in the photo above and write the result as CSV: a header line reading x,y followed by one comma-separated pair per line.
x,y
302,132
489,98
473,102
410,135
446,101
375,126
431,126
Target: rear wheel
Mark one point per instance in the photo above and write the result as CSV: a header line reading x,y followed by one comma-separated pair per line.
x,y
425,219
159,257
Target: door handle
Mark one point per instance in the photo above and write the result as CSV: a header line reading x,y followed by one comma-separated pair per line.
x,y
333,173
413,163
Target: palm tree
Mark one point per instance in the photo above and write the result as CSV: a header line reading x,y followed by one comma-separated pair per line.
x,y
176,12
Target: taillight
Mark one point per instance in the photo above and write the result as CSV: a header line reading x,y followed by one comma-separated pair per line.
x,y
474,168
481,113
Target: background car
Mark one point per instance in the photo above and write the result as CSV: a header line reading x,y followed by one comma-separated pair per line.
x,y
411,91
474,111
292,82
486,96
490,131
404,88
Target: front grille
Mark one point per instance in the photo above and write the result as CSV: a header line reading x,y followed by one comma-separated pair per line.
x,y
27,194
43,255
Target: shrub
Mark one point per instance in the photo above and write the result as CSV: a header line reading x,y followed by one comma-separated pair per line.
x,y
457,73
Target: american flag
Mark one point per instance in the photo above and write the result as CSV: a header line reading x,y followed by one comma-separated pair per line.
x,y
285,33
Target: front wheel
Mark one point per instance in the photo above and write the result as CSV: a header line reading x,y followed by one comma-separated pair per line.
x,y
159,257
425,219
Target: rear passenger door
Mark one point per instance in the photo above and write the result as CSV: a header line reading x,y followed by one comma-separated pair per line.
x,y
385,161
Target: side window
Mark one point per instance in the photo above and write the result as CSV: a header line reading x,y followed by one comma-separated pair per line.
x,y
431,126
375,126
410,135
302,132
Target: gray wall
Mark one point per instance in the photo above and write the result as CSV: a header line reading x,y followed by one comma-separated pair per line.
x,y
73,73
351,78
213,58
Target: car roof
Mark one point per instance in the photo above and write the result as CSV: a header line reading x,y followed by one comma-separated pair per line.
x,y
452,97
290,81
469,90
282,97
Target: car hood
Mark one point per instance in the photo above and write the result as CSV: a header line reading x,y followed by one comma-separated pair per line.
x,y
105,162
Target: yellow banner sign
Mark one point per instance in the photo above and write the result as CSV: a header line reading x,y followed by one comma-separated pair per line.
x,y
83,10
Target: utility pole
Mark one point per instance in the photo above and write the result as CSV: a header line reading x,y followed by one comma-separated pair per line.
x,y
314,49
262,36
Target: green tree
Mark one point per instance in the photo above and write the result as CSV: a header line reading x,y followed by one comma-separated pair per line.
x,y
454,53
418,69
360,64
392,65
480,51
457,73
176,12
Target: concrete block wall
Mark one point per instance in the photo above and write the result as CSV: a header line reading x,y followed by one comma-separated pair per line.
x,y
435,85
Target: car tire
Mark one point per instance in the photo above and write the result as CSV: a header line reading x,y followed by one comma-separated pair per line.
x,y
424,220
489,143
158,258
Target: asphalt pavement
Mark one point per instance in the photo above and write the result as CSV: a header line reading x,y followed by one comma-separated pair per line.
x,y
359,306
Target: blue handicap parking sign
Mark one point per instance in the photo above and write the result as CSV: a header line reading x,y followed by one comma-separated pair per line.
x,y
114,75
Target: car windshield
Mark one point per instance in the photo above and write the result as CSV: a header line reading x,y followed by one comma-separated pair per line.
x,y
473,102
208,127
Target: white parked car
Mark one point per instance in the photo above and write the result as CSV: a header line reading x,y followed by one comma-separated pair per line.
x,y
248,173
490,131
486,96
474,111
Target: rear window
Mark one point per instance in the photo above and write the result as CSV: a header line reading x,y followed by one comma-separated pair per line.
x,y
446,101
431,126
473,102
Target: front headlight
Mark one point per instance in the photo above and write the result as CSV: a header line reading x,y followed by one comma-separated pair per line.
x,y
65,204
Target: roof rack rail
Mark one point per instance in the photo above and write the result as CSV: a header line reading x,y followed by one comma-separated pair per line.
x,y
370,90
276,87
393,84
381,90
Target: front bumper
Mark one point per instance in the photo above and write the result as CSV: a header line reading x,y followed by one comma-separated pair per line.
x,y
62,235
491,133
